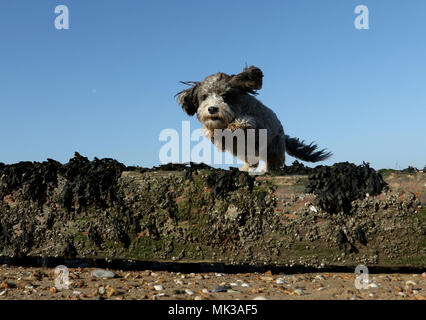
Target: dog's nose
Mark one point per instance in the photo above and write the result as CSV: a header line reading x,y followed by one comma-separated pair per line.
x,y
213,110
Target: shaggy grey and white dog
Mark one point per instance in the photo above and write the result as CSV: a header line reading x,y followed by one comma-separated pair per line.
x,y
223,101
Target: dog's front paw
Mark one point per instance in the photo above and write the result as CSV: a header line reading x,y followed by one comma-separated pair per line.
x,y
242,123
234,126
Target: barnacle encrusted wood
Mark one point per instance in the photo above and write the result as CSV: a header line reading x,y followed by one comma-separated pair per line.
x,y
194,213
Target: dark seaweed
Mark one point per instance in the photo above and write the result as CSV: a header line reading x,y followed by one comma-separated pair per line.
x,y
223,181
33,176
337,186
295,168
90,182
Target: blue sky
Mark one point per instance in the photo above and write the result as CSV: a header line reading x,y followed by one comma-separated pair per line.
x,y
106,86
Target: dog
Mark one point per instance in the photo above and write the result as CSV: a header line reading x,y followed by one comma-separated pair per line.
x,y
223,101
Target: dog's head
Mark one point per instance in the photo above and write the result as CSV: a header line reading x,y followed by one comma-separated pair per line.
x,y
217,100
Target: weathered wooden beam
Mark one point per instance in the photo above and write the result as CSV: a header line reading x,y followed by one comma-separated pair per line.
x,y
209,215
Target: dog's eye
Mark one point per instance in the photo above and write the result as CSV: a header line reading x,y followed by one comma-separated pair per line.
x,y
204,97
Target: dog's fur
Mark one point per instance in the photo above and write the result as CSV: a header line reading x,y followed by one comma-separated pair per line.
x,y
235,107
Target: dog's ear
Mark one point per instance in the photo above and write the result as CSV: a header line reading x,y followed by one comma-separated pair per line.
x,y
249,80
188,98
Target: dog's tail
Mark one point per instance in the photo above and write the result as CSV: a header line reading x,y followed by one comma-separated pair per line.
x,y
300,150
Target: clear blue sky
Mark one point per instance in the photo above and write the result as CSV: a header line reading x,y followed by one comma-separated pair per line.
x,y
106,87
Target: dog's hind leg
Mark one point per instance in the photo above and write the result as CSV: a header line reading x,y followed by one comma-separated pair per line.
x,y
276,153
275,162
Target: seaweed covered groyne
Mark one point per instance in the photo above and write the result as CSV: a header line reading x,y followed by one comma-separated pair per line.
x,y
343,215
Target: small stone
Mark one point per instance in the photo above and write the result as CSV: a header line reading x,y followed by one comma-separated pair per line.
x,y
101,273
260,298
319,277
373,285
267,278
424,274
232,291
205,290
76,293
158,287
298,291
221,289
410,282
3,292
110,291
189,292
198,298
399,289
402,294
101,290
245,285
53,290
233,284
280,281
